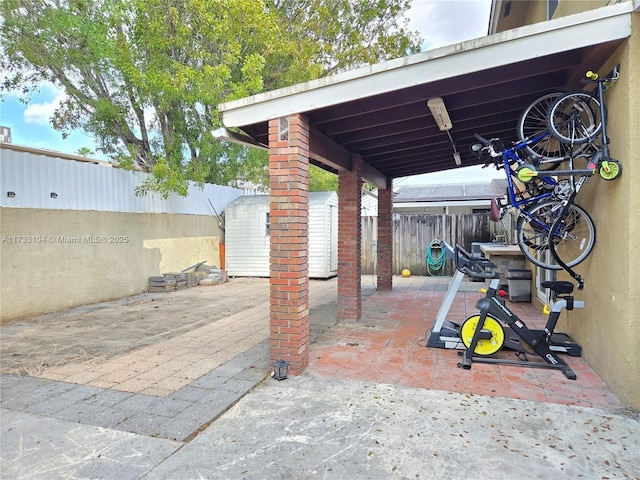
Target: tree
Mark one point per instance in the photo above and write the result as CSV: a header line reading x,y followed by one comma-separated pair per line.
x,y
144,77
85,151
321,180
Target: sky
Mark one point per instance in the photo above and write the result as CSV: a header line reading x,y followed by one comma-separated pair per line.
x,y
440,22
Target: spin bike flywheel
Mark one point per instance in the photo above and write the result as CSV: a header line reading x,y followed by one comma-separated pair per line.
x,y
485,346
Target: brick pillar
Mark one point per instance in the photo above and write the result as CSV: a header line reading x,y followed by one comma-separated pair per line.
x,y
289,232
349,241
384,259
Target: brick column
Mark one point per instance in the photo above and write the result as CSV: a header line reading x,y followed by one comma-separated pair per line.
x,y
289,232
384,258
349,241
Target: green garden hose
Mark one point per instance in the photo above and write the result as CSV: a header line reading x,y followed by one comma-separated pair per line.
x,y
435,257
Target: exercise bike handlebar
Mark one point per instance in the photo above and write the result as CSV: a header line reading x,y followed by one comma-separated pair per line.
x,y
473,266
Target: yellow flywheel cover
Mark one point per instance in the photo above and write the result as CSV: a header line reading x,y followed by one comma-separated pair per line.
x,y
484,346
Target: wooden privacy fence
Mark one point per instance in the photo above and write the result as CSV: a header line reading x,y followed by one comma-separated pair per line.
x,y
412,235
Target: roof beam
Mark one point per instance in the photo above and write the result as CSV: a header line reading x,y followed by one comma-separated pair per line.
x,y
324,150
328,152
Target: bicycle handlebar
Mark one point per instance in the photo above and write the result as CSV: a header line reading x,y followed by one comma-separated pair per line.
x,y
483,140
593,77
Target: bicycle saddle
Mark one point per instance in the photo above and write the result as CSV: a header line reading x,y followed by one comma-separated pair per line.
x,y
559,286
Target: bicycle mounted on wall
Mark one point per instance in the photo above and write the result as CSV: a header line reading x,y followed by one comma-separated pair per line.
x,y
554,129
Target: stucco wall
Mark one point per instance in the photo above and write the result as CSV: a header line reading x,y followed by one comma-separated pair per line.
x,y
56,259
608,328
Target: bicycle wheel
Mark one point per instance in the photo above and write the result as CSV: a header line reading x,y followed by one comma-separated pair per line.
x,y
573,237
574,118
612,170
532,124
572,243
487,346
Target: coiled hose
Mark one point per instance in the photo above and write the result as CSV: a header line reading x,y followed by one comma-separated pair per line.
x,y
435,260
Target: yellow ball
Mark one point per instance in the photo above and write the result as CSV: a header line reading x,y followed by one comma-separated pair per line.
x,y
406,273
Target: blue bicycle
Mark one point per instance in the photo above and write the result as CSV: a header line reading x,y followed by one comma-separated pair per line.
x,y
540,202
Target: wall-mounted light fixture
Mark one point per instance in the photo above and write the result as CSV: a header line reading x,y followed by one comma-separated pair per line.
x,y
11,194
441,116
53,195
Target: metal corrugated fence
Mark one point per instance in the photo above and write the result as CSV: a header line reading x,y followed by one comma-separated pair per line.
x,y
32,178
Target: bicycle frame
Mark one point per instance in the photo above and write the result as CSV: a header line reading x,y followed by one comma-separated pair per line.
x,y
602,85
562,198
510,155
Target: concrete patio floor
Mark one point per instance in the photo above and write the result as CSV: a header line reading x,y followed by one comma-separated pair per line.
x,y
168,366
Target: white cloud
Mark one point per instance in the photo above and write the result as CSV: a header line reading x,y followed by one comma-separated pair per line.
x,y
41,108
40,113
444,22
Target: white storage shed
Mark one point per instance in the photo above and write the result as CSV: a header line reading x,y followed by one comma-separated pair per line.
x,y
247,236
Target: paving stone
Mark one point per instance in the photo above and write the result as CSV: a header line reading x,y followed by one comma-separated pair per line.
x,y
191,393
143,424
237,385
228,369
169,407
210,380
80,412
178,428
254,375
106,417
81,393
47,407
138,403
201,413
8,381
27,384
108,398
19,400
54,389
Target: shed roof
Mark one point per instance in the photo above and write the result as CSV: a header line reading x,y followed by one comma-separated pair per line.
x,y
450,192
315,198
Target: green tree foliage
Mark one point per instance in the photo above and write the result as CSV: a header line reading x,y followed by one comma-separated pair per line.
x,y
321,180
144,77
85,152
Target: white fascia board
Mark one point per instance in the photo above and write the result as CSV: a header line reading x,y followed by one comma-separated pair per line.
x,y
546,38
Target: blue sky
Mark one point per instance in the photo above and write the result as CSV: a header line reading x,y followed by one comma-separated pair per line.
x,y
441,22
30,124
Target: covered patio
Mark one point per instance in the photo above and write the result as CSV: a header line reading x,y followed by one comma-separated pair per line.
x,y
388,346
373,125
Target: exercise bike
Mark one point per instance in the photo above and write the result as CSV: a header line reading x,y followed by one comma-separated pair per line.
x,y
483,334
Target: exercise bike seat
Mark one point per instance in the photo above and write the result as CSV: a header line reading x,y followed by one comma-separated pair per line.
x,y
559,286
